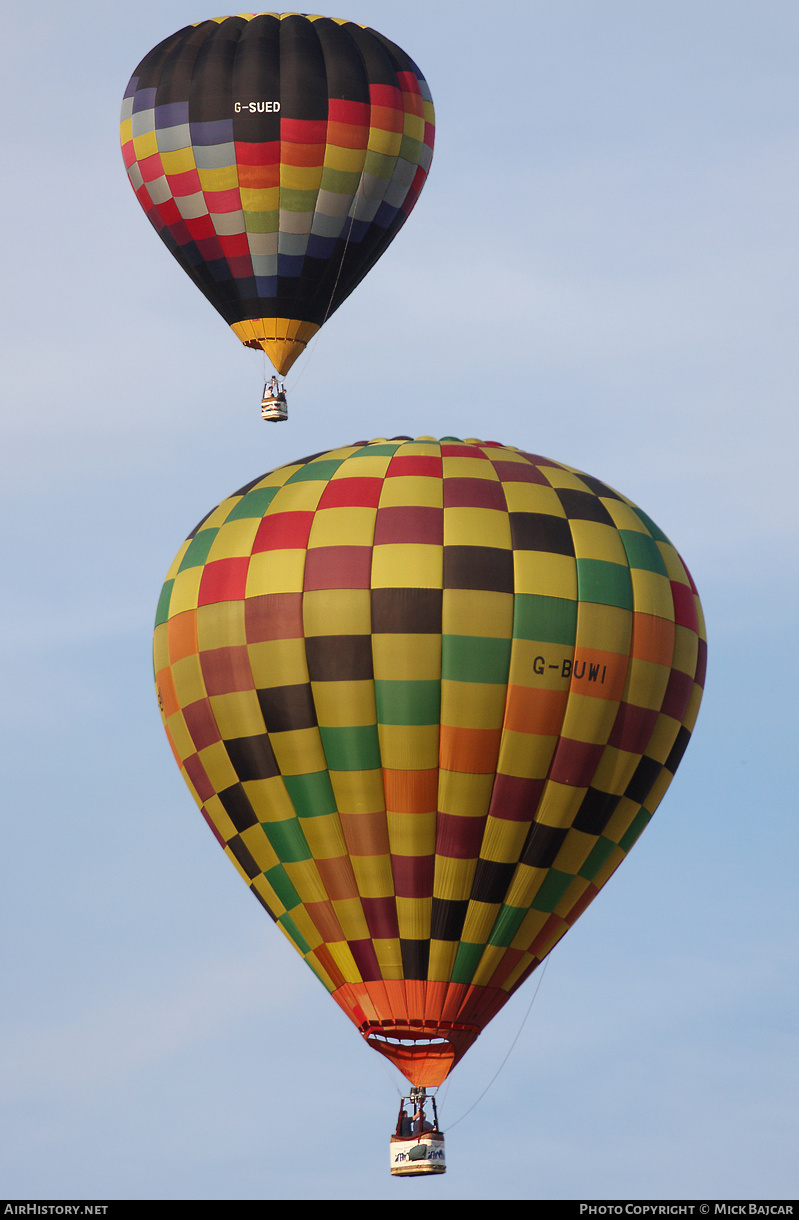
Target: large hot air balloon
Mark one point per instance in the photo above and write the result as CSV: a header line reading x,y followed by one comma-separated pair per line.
x,y
427,695
277,156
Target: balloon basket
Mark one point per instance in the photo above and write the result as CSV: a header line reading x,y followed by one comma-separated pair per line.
x,y
415,1155
273,402
417,1145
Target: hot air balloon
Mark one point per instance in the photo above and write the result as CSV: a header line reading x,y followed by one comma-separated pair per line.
x,y
277,156
427,694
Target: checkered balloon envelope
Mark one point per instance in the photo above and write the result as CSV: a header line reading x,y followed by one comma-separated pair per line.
x,y
277,156
427,694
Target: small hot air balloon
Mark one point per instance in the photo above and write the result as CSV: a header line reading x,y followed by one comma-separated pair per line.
x,y
427,695
277,156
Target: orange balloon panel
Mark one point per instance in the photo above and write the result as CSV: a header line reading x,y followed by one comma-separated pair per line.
x,y
427,694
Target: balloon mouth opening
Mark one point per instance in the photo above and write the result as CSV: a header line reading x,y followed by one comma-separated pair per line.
x,y
408,1039
425,1061
424,1056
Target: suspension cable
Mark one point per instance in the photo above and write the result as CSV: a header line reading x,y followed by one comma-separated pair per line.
x,y
507,1056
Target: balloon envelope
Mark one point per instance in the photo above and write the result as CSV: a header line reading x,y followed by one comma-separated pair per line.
x,y
427,694
277,156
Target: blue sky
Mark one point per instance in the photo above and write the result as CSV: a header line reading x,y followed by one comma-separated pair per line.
x,y
601,268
